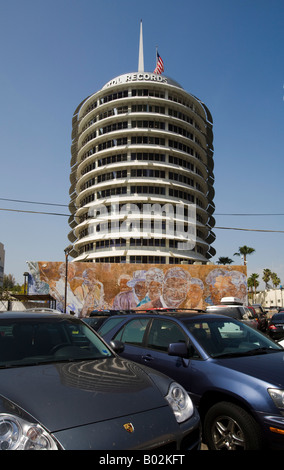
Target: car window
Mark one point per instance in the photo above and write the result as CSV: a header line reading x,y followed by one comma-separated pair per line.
x,y
219,337
109,324
133,331
229,312
278,317
163,332
209,335
247,314
26,342
231,331
203,333
257,310
94,322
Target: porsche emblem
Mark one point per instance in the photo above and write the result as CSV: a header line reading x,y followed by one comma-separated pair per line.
x,y
128,427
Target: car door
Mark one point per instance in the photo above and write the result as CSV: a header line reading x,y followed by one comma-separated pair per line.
x,y
146,341
133,334
161,333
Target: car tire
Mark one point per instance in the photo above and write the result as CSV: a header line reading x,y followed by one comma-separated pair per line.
x,y
229,427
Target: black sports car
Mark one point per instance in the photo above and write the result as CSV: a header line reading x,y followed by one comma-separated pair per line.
x,y
62,387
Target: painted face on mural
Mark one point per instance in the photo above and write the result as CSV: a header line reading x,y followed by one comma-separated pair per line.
x,y
196,293
219,289
140,289
154,290
174,291
123,284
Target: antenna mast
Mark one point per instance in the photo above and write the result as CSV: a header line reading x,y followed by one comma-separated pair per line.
x,y
141,54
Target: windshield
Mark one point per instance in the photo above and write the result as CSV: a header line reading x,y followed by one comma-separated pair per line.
x,y
227,338
34,341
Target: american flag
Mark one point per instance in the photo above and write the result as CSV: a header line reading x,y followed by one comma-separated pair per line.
x,y
160,65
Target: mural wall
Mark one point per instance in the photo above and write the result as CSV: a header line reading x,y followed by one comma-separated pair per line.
x,y
92,286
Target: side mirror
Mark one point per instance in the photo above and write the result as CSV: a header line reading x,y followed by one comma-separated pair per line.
x,y
117,346
178,349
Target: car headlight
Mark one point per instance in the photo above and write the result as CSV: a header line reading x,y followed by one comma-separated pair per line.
x,y
277,396
19,434
180,402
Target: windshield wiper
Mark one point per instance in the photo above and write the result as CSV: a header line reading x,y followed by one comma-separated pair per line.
x,y
231,354
250,352
264,350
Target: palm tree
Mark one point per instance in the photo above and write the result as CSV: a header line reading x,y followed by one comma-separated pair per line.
x,y
224,260
266,277
275,280
244,251
253,282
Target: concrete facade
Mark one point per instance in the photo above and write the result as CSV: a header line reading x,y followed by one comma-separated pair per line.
x,y
141,139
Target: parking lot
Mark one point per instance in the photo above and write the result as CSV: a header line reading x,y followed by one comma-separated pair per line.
x,y
35,343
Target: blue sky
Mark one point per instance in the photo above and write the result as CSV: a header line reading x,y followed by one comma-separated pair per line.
x,y
55,53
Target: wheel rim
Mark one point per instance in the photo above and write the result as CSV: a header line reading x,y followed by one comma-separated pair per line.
x,y
227,434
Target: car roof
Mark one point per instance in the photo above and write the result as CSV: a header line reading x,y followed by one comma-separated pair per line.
x,y
9,315
191,315
223,306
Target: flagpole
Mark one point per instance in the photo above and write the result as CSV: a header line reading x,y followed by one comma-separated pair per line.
x,y
156,59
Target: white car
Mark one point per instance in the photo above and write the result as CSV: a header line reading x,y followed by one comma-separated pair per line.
x,y
239,312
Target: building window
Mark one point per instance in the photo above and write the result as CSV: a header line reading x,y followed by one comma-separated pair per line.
x,y
111,192
145,108
148,259
114,96
112,143
181,162
143,139
145,156
148,190
113,112
181,178
120,157
181,131
148,124
113,127
180,146
111,259
146,92
111,243
181,194
112,175
147,173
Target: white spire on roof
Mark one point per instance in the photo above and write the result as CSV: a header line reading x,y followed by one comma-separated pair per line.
x,y
141,54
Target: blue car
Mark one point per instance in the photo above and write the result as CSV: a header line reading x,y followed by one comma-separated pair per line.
x,y
233,373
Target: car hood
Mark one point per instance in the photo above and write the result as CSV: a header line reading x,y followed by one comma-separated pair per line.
x,y
65,395
267,367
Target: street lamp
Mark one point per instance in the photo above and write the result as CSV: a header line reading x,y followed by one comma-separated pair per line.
x,y
66,251
26,275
